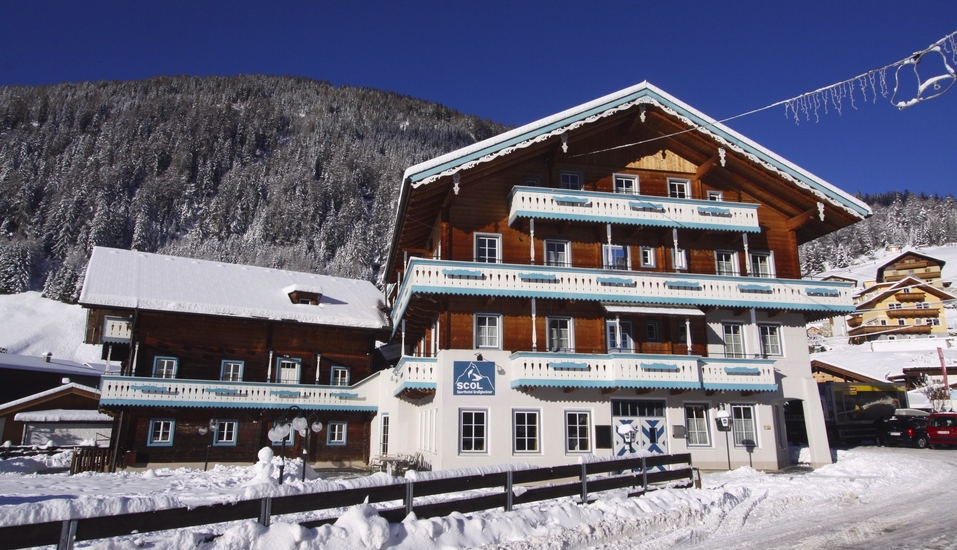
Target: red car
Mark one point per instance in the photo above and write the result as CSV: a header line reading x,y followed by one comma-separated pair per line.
x,y
942,429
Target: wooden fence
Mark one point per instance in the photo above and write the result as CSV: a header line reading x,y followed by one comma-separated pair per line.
x,y
618,474
90,459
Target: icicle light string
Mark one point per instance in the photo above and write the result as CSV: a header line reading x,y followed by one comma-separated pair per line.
x,y
876,80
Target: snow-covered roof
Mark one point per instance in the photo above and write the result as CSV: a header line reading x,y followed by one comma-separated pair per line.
x,y
46,393
62,415
882,365
40,364
130,279
640,93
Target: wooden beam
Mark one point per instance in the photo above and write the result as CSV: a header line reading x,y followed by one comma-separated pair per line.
x,y
568,389
705,167
801,219
607,391
643,391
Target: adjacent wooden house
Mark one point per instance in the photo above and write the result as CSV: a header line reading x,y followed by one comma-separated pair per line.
x,y
621,276
215,354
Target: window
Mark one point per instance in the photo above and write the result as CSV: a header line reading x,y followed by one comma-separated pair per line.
x,y
733,340
894,305
902,322
570,180
615,256
472,425
488,330
742,420
647,256
626,184
231,371
488,248
933,321
696,425
682,333
922,305
770,339
680,259
288,440
165,367
715,196
762,265
526,431
560,335
558,253
532,181
651,332
384,435
613,330
726,262
576,432
287,370
161,432
225,434
336,436
678,189
339,376
637,407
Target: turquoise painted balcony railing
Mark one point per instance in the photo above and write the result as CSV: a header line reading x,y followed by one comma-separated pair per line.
x,y
618,208
135,391
426,276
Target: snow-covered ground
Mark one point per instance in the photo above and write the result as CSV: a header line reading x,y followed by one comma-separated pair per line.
x,y
871,497
33,325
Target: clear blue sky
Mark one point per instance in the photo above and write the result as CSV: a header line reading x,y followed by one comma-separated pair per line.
x,y
516,61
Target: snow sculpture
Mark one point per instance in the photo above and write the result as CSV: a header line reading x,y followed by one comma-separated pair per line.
x,y
264,469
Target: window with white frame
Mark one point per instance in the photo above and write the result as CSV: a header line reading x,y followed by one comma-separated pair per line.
x,y
932,321
577,429
733,340
488,330
336,436
165,367
922,305
902,322
472,430
161,432
762,265
615,256
652,332
696,424
770,339
715,196
647,256
678,188
570,180
231,371
726,262
561,335
558,253
895,305
488,248
339,376
287,370
225,433
626,184
742,421
679,258
525,425
618,336
384,434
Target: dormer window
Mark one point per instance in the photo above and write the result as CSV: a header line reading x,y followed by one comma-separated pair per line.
x,y
302,294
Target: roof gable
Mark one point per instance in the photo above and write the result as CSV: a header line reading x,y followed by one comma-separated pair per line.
x,y
907,282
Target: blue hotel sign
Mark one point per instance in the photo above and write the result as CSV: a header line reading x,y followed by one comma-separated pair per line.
x,y
473,378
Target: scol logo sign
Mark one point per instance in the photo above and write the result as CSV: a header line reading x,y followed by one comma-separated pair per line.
x,y
473,378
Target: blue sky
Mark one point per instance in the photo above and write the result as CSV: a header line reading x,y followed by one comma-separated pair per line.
x,y
518,61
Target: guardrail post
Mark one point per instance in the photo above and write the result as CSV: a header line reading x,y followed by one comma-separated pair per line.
x,y
67,534
265,511
644,475
584,483
408,497
508,491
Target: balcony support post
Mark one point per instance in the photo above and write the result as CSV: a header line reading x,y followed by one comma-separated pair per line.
x,y
747,256
534,332
269,367
688,333
402,352
531,240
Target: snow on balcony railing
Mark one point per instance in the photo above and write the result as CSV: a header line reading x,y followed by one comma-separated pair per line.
x,y
428,276
414,373
591,206
738,374
126,390
543,369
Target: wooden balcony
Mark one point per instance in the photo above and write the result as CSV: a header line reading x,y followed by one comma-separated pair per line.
x,y
890,329
913,313
910,296
166,392
425,276
626,209
855,320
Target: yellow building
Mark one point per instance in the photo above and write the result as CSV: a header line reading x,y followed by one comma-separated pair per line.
x,y
904,307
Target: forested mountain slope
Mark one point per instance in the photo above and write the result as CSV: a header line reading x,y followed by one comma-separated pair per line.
x,y
274,171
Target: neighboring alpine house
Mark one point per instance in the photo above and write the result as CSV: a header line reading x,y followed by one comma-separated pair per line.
x,y
214,354
619,277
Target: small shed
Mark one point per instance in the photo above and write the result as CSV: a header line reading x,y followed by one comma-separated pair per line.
x,y
65,427
71,404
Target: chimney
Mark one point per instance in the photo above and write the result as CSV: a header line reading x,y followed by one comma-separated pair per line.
x,y
47,357
65,380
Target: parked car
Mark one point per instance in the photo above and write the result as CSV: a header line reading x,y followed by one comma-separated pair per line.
x,y
905,430
942,429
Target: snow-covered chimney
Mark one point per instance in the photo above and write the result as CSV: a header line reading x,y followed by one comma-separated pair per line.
x,y
47,357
